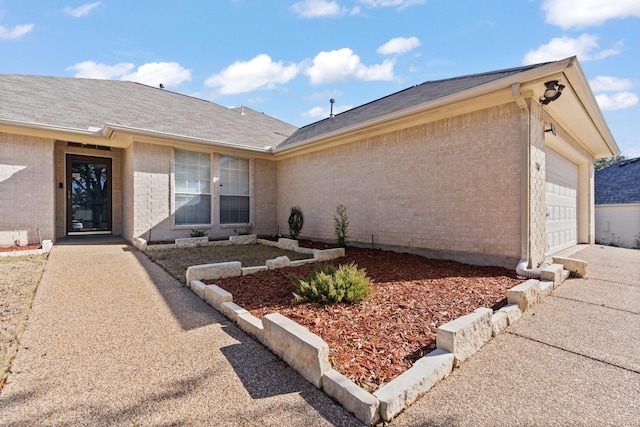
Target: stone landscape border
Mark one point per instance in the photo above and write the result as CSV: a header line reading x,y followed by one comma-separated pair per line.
x,y
308,354
46,248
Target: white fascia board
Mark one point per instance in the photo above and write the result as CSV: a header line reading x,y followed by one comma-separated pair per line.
x,y
583,90
51,128
110,128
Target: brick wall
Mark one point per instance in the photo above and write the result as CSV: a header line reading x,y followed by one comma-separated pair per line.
x,y
150,188
151,191
26,189
449,187
264,197
537,186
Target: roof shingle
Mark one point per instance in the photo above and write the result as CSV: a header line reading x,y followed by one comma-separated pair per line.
x,y
89,103
618,183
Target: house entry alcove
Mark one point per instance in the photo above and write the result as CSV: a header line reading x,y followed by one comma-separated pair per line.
x,y
88,189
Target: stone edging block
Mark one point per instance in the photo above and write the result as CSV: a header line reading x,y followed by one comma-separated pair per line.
x,y
577,267
327,254
405,389
218,270
215,296
303,350
512,311
353,398
526,294
553,273
247,239
191,242
466,334
253,270
279,262
198,288
47,245
499,322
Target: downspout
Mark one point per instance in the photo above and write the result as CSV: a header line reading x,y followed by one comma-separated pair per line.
x,y
522,269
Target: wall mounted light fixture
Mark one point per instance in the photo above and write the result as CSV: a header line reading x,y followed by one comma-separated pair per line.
x,y
552,92
551,129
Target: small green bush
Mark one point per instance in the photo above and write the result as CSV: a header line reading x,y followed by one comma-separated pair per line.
x,y
341,225
328,284
296,221
197,233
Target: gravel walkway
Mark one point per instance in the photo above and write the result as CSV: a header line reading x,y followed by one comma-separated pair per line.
x,y
114,340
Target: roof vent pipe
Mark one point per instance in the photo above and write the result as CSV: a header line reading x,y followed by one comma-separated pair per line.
x,y
331,101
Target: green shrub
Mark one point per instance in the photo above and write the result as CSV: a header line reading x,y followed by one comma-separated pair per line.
x,y
340,225
328,284
296,221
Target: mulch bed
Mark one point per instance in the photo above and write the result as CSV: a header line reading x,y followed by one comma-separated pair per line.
x,y
373,342
19,248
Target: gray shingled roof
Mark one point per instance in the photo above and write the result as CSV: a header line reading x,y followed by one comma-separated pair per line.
x,y
618,183
407,98
83,103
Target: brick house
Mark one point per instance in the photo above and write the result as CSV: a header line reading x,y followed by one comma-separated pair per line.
x,y
486,168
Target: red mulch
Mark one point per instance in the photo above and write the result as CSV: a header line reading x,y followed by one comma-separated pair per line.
x,y
19,248
375,341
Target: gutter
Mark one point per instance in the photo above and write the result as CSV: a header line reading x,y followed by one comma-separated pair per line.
x,y
525,186
51,128
110,128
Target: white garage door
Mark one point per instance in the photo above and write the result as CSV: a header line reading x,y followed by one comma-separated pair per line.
x,y
561,199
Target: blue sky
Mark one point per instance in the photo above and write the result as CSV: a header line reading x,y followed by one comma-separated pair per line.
x,y
288,58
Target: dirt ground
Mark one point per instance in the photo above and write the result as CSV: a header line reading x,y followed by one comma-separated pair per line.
x,y
19,278
176,261
375,341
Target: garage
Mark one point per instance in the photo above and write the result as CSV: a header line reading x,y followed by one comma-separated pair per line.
x,y
561,202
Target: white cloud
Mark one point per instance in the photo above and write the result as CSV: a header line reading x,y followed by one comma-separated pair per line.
x,y
399,45
401,4
15,32
619,101
93,70
80,11
584,47
584,13
317,8
325,112
260,72
152,74
610,84
341,65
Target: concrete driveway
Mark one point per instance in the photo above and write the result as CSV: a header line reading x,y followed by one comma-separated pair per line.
x,y
114,340
574,360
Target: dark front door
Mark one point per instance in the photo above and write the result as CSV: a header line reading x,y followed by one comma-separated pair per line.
x,y
88,195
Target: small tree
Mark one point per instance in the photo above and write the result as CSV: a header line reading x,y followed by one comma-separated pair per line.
x,y
296,221
600,164
341,225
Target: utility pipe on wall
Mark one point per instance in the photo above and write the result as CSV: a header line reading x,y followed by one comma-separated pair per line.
x,y
525,182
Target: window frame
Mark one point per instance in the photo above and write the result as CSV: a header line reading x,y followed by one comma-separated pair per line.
x,y
241,184
182,188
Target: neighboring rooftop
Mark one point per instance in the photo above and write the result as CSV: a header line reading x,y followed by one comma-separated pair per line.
x,y
618,183
407,98
90,103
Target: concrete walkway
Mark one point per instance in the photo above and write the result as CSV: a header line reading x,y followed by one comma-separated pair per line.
x,y
114,340
574,360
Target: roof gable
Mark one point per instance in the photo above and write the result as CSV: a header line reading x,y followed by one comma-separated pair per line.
x,y
618,183
85,104
407,98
